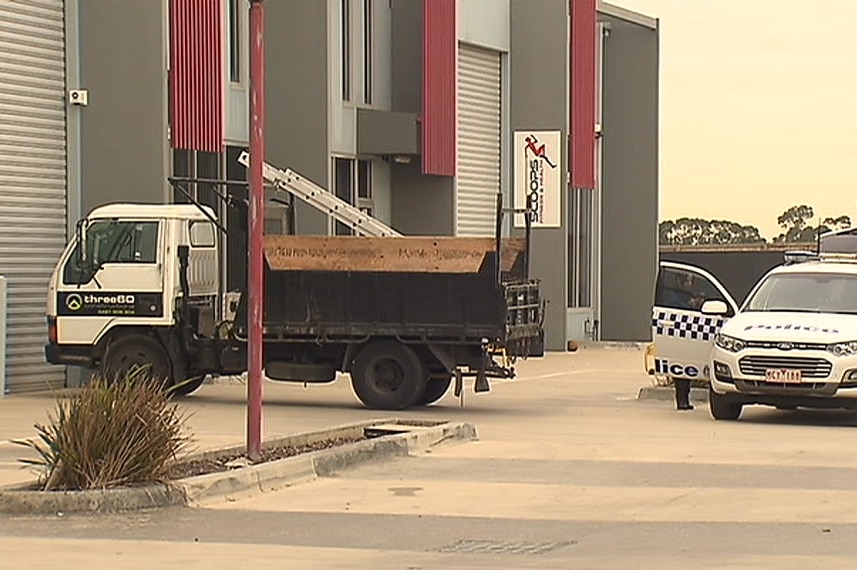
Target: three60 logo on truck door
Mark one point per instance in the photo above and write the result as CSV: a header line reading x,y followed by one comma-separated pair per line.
x,y
113,304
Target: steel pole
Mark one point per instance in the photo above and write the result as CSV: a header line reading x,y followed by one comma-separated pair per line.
x,y
256,274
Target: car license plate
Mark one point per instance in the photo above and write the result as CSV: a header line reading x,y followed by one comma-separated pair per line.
x,y
783,375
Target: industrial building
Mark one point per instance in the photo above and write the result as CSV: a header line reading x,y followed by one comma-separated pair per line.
x,y
419,111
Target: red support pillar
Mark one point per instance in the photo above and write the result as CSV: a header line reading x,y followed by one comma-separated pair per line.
x,y
256,276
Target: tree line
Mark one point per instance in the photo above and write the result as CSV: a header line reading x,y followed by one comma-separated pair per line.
x,y
796,224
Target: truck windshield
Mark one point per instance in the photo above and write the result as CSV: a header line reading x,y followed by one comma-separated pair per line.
x,y
112,241
806,293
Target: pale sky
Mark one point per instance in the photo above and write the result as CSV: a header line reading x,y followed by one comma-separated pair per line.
x,y
758,108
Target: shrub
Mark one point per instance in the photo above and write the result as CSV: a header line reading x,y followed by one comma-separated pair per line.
x,y
110,434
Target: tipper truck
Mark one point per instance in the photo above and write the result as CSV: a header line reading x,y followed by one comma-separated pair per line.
x,y
406,317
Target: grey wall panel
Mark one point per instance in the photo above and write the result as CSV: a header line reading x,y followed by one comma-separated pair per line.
x,y
421,205
484,23
406,60
539,101
296,81
630,180
387,132
123,64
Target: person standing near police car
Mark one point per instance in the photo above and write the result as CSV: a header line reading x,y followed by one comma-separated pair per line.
x,y
684,295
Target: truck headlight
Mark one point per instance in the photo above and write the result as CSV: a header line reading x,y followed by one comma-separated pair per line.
x,y
729,343
843,348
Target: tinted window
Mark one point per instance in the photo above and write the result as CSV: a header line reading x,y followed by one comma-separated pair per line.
x,y
686,290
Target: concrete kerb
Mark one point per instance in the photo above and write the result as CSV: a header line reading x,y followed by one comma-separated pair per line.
x,y
415,437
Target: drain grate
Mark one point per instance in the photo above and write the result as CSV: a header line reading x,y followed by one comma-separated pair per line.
x,y
503,547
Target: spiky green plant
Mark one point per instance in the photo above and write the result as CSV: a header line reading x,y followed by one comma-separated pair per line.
x,y
110,434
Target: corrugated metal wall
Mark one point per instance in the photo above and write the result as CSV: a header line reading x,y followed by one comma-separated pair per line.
x,y
583,86
479,120
440,44
32,179
197,89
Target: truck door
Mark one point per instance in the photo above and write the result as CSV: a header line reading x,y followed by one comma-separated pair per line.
x,y
119,277
682,335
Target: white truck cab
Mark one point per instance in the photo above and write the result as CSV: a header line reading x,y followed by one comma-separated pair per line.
x,y
792,343
119,279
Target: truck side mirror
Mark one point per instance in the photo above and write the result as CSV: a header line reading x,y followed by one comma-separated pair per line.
x,y
80,236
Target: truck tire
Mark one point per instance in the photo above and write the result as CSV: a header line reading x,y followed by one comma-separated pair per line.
x,y
126,353
388,375
722,407
435,389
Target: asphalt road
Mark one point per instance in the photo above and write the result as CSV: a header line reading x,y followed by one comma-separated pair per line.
x,y
570,471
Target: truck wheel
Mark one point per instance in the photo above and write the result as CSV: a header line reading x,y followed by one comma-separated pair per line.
x,y
722,407
128,353
435,390
388,375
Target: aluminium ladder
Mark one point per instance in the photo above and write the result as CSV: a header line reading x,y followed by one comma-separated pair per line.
x,y
326,202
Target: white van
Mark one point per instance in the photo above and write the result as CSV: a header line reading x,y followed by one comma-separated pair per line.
x,y
793,342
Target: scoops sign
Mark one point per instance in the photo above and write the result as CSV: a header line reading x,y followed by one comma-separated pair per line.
x,y
538,176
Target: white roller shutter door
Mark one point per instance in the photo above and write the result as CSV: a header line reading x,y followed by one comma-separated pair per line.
x,y
32,179
478,177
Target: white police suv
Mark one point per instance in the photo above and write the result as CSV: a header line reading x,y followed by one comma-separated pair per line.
x,y
793,342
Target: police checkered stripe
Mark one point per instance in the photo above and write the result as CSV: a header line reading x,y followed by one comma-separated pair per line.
x,y
694,327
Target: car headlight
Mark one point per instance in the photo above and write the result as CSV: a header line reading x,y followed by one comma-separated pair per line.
x,y
843,348
729,343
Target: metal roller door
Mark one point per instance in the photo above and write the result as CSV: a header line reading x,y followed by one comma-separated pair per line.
x,y
478,179
32,179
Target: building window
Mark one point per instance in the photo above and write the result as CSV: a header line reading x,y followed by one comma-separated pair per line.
x,y
198,165
345,39
235,247
364,179
184,166
234,41
343,171
368,52
580,230
353,184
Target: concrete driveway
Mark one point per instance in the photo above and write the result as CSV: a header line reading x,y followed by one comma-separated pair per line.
x,y
571,471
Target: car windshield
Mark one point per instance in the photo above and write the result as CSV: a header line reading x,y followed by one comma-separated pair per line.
x,y
806,293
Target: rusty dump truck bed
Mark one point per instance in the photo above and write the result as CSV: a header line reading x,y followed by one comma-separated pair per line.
x,y
445,290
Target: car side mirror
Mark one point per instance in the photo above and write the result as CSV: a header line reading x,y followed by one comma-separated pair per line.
x,y
714,308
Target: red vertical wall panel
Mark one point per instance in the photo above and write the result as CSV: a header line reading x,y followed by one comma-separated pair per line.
x,y
584,27
196,75
440,81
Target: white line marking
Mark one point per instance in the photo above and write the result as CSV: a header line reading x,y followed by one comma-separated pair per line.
x,y
543,376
